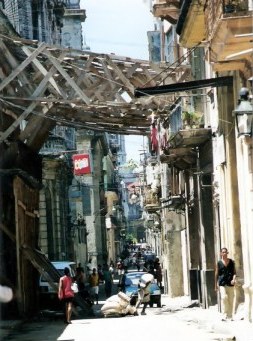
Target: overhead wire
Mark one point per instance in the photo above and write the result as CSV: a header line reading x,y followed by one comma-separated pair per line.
x,y
66,63
178,62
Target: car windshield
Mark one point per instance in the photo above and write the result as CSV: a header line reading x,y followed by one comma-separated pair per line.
x,y
133,278
44,280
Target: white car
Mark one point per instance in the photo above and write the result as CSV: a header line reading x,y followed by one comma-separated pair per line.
x,y
45,287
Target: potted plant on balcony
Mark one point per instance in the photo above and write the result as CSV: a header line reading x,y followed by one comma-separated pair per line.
x,y
192,119
231,6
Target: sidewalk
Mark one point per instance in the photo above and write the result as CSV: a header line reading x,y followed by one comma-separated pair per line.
x,y
209,319
8,326
182,308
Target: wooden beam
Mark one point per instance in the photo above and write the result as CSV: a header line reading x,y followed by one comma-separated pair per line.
x,y
111,84
67,77
40,89
12,61
36,132
41,68
8,232
120,74
89,82
22,66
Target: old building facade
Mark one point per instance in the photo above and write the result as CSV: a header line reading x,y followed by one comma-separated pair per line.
x,y
205,164
67,218
200,199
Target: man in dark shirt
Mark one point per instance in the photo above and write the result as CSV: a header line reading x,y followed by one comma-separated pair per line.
x,y
225,275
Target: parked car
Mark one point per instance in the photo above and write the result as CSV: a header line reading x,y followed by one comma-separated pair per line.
x,y
129,285
47,293
149,256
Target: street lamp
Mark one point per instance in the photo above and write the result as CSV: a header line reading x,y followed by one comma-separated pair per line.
x,y
244,114
157,226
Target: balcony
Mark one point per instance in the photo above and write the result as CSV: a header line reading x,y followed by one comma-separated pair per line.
x,y
152,160
174,203
115,147
184,117
190,138
181,147
151,201
234,6
230,33
54,145
191,23
77,13
181,158
167,9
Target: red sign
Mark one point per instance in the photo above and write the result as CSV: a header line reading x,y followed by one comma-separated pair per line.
x,y
81,164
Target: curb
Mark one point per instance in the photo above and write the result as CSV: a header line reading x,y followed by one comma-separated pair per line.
x,y
8,326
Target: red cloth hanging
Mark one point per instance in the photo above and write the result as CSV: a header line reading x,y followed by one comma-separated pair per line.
x,y
154,138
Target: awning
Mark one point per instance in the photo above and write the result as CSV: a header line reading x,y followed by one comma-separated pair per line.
x,y
184,86
191,137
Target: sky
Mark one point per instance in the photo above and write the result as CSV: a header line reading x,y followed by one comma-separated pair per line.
x,y
119,27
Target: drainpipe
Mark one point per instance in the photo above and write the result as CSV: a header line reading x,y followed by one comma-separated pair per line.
x,y
162,42
202,236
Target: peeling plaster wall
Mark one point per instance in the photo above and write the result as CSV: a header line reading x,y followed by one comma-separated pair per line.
x,y
174,252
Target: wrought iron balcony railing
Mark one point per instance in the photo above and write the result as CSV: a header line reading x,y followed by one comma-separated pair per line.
x,y
174,203
235,6
182,120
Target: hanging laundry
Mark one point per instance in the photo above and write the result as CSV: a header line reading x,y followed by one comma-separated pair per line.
x,y
154,138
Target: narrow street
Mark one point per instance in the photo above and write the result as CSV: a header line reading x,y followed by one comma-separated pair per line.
x,y
180,324
177,319
115,160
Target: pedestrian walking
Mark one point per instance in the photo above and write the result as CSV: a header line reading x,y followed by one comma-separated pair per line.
x,y
66,294
225,274
126,263
100,273
89,267
112,263
108,280
122,281
111,269
151,270
138,264
143,296
158,273
80,280
94,285
120,267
